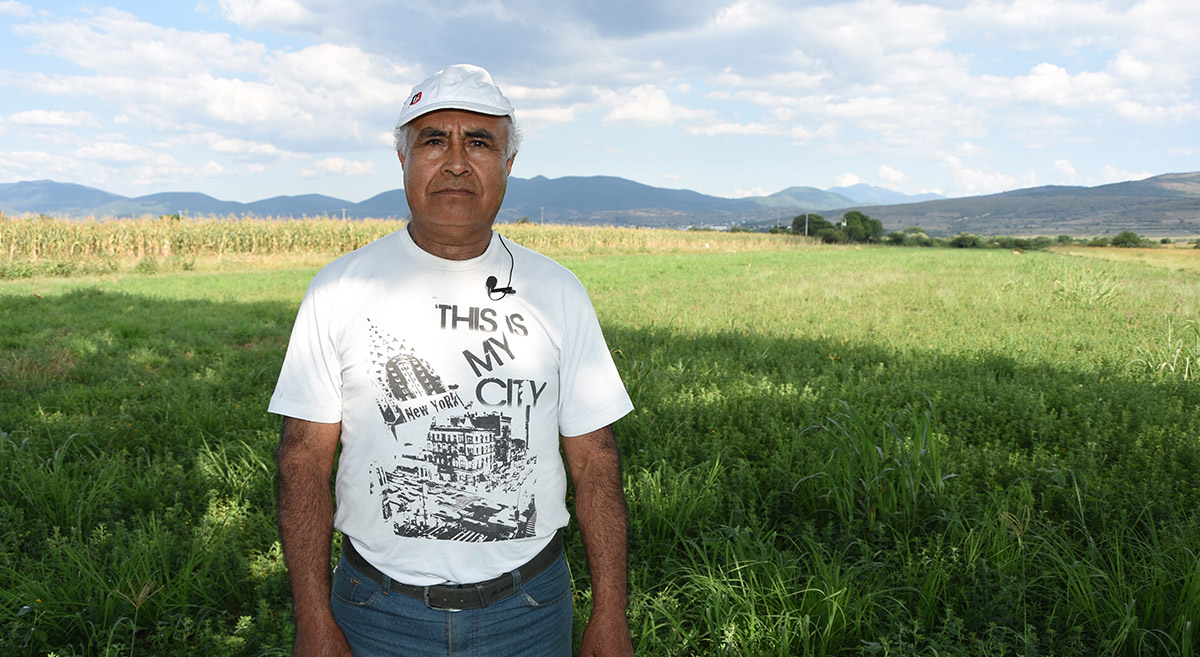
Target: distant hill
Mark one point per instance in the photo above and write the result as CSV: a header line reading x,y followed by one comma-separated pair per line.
x,y
1162,205
864,194
52,197
298,206
809,198
1166,205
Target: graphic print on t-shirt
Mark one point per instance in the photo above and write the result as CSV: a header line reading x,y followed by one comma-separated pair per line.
x,y
458,474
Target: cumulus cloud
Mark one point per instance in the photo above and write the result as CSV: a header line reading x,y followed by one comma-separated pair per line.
x,y
1111,174
119,152
724,128
1066,168
847,180
891,175
969,181
15,8
163,78
645,104
286,14
54,118
339,166
114,41
240,148
881,80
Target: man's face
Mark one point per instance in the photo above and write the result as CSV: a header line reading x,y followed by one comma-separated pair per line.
x,y
456,172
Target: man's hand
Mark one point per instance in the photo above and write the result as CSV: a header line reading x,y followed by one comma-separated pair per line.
x,y
600,510
326,641
306,455
606,634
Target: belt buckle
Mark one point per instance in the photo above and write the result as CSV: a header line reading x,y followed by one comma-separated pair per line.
x,y
429,601
480,589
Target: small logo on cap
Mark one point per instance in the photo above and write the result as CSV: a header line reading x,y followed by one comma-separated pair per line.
x,y
415,99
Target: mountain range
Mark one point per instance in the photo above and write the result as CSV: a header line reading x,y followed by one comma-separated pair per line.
x,y
1162,205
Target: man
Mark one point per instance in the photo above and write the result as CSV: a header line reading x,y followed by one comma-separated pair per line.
x,y
450,395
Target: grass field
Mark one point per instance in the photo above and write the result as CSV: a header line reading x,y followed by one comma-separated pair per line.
x,y
836,450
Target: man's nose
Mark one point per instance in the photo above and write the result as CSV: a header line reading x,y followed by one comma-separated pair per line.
x,y
456,159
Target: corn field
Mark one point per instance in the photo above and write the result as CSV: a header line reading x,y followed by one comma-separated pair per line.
x,y
39,238
45,239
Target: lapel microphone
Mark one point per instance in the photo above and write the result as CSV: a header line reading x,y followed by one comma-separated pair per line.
x,y
491,286
492,281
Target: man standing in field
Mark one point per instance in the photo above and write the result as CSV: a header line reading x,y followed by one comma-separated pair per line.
x,y
450,397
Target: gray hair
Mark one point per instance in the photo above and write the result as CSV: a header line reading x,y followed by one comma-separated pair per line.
x,y
402,138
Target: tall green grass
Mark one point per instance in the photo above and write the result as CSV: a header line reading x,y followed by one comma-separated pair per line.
x,y
835,451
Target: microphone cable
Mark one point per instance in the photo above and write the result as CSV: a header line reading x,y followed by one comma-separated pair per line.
x,y
491,280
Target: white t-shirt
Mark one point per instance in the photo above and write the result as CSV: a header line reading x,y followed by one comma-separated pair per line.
x,y
450,404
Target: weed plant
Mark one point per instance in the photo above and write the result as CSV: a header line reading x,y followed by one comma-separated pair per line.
x,y
835,451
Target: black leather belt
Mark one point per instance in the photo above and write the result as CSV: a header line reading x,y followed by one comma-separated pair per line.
x,y
460,596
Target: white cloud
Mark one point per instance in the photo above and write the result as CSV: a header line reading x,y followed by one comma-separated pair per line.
x,y
162,78
895,81
339,166
118,152
888,174
213,169
753,191
717,129
971,182
1065,167
41,164
847,180
543,116
15,8
1111,174
235,146
267,13
54,118
118,42
645,104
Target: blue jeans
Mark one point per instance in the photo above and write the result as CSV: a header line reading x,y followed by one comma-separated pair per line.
x,y
535,621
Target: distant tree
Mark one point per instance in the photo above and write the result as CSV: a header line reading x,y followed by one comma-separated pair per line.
x,y
832,235
809,221
861,228
967,241
1166,240
1099,241
896,238
1126,238
1064,239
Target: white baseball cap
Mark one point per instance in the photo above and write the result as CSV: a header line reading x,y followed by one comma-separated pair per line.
x,y
461,86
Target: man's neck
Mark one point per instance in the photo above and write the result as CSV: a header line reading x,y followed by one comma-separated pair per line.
x,y
449,249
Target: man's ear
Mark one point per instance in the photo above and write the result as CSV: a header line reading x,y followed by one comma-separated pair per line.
x,y
400,155
507,166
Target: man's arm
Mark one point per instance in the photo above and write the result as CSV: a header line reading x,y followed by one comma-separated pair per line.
x,y
306,454
600,510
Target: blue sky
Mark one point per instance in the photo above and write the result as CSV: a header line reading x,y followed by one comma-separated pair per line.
x,y
250,99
